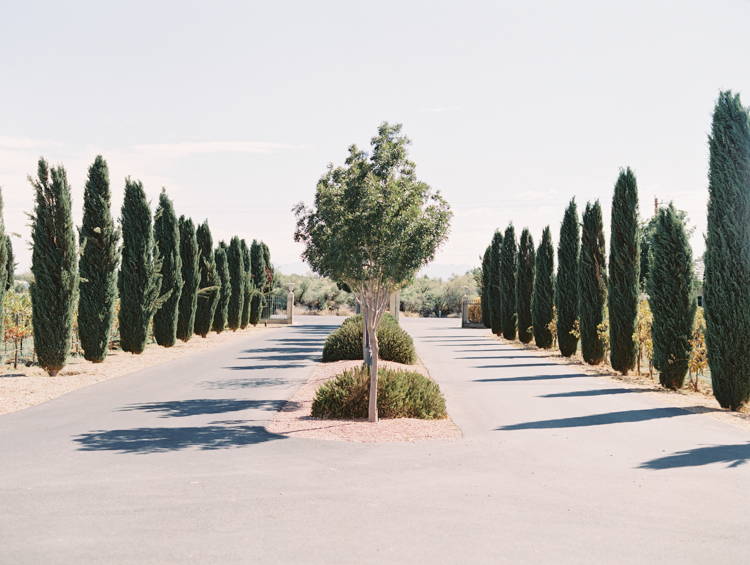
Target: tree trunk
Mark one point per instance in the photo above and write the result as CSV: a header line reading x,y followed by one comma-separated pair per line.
x,y
373,407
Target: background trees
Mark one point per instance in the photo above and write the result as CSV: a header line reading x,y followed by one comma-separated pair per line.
x,y
525,286
566,297
167,240
486,274
592,284
191,278
508,266
544,291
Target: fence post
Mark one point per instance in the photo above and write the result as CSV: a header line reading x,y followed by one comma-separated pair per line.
x,y
465,308
290,305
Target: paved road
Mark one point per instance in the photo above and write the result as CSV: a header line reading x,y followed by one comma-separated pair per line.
x,y
172,465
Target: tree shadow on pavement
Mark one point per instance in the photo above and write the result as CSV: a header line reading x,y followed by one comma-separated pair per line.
x,y
602,392
261,367
524,379
202,406
624,417
733,455
516,365
233,384
163,440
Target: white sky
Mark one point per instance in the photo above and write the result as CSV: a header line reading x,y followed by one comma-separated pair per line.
x,y
237,107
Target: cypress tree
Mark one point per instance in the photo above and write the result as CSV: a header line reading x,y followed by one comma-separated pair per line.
x,y
672,298
10,265
247,285
222,308
726,291
624,273
486,265
525,285
496,299
139,281
566,291
269,274
237,282
258,269
97,268
544,291
210,284
54,263
191,279
4,279
592,284
167,239
508,268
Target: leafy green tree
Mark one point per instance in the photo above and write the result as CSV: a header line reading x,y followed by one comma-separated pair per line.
x,y
167,239
726,290
97,267
592,284
508,268
222,308
566,291
486,273
624,269
496,298
374,225
258,276
544,291
210,283
646,231
54,264
4,240
139,281
525,285
237,282
672,298
191,279
247,285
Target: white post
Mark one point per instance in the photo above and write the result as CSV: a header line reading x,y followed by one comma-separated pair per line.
x,y
290,305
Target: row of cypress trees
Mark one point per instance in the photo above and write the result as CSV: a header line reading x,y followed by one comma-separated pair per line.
x,y
168,276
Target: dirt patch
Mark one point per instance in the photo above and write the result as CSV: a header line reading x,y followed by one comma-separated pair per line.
x,y
294,419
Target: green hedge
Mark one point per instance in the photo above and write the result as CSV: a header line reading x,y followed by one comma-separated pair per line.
x,y
401,394
345,343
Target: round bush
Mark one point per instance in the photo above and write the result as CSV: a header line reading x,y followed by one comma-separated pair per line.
x,y
345,343
401,394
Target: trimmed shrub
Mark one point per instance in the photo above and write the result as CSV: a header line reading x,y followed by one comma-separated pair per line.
x,y
167,239
672,299
210,285
624,270
544,291
394,343
237,282
401,394
525,286
566,283
222,308
496,299
486,272
508,268
726,292
592,284
247,285
54,263
191,279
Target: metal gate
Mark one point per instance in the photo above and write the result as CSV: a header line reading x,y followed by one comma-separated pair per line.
x,y
472,313
274,310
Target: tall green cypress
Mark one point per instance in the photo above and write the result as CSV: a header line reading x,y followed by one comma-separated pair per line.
x,y
4,284
592,284
258,271
566,283
496,298
247,285
97,267
544,291
191,279
10,264
167,239
624,273
237,282
525,285
139,281
222,308
269,268
508,268
672,298
210,283
726,292
486,266
54,263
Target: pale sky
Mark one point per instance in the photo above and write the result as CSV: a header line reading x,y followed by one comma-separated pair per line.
x,y
237,107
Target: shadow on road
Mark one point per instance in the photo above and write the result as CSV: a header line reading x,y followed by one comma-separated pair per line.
x,y
198,407
625,417
524,379
516,365
163,440
602,392
233,384
733,455
261,367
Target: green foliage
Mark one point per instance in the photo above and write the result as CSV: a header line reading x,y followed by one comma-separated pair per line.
x,y
436,297
624,269
727,258
222,308
672,298
543,310
247,285
401,394
646,233
139,281
167,240
3,267
566,283
97,267
346,342
317,294
525,285
269,274
210,283
592,284
258,272
496,298
10,268
54,264
257,301
486,273
237,282
508,268
191,279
